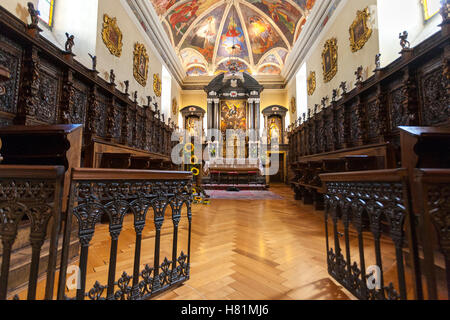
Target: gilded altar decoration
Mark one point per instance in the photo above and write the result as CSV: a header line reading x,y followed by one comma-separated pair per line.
x,y
329,60
140,64
360,32
233,114
157,85
112,36
293,105
311,83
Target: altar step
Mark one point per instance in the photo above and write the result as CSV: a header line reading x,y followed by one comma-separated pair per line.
x,y
255,187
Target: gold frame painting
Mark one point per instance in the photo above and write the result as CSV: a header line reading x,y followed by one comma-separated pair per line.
x,y
157,85
140,64
330,60
311,83
174,106
360,31
112,36
426,10
293,105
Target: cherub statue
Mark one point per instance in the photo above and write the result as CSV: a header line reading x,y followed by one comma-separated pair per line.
x,y
149,100
135,96
404,40
94,61
378,61
335,94
34,15
70,42
127,86
112,76
324,102
358,74
343,87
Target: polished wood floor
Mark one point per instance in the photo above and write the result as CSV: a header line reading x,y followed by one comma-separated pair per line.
x,y
246,250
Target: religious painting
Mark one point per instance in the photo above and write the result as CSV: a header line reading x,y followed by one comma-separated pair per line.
x,y
192,125
181,17
203,37
275,129
233,115
311,83
224,67
293,105
284,14
305,5
140,64
232,40
112,36
162,6
329,60
270,69
196,71
360,32
174,106
157,84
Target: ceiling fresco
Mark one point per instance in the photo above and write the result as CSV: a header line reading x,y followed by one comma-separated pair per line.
x,y
259,33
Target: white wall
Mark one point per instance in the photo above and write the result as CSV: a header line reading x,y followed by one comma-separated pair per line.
x,y
302,92
394,17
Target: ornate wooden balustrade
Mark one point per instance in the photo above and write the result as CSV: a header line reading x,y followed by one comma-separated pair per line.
x,y
377,205
47,86
370,202
34,192
434,185
116,193
412,91
145,196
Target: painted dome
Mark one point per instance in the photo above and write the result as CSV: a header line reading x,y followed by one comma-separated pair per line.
x,y
259,33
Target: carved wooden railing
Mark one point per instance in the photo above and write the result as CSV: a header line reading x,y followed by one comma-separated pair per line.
x,y
413,90
33,192
161,197
145,195
370,202
374,210
434,186
47,86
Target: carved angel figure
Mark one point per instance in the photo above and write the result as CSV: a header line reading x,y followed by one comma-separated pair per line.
x,y
34,14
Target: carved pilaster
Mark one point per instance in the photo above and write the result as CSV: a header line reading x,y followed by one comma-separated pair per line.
x,y
111,119
93,113
67,98
410,99
30,83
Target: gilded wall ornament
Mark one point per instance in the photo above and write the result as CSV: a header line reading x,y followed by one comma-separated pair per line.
x,y
311,83
112,36
157,85
140,64
293,105
360,32
174,106
329,60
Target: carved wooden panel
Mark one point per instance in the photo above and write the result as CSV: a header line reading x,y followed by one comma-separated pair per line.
x,y
48,97
435,98
11,58
398,112
100,122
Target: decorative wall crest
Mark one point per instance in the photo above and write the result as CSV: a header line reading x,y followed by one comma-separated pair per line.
x,y
112,36
174,106
311,83
157,84
360,32
293,105
140,64
329,60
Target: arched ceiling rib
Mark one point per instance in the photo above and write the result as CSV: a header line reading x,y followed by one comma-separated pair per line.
x,y
203,31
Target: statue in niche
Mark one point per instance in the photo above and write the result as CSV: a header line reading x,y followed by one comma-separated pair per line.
x,y
192,126
274,131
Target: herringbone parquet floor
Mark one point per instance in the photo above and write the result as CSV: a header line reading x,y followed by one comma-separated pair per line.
x,y
241,250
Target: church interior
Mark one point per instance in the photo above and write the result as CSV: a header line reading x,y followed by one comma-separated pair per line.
x,y
224,150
